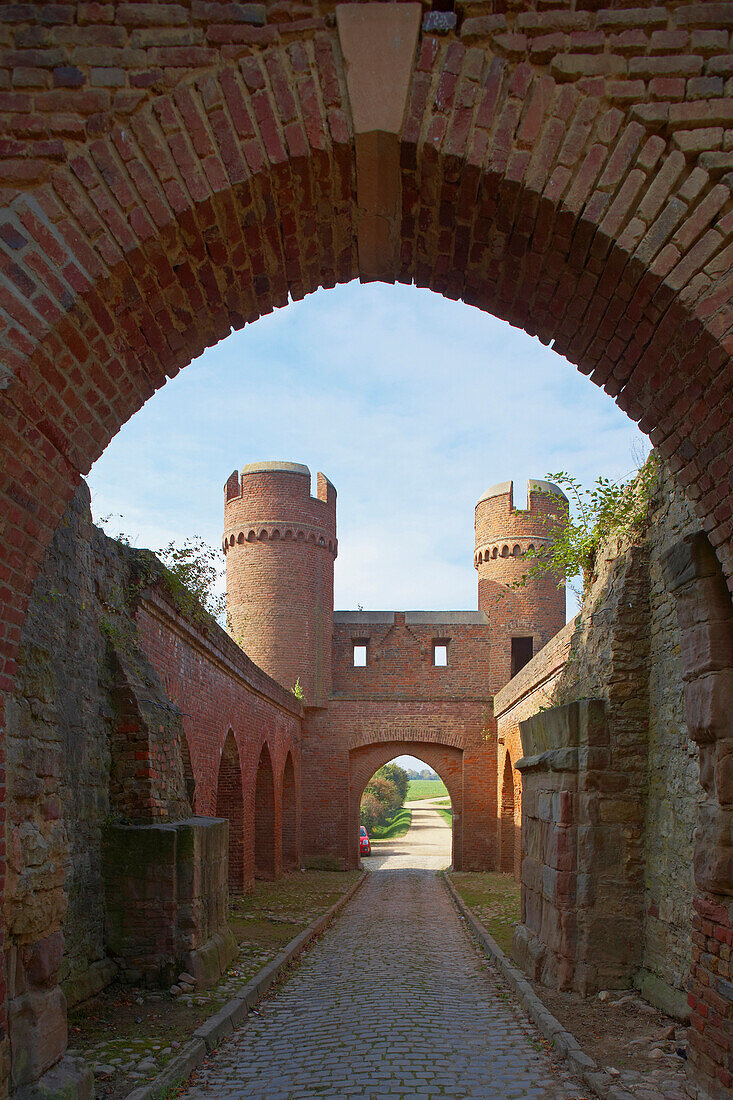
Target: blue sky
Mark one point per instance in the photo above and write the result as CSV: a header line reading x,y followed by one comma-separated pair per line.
x,y
411,404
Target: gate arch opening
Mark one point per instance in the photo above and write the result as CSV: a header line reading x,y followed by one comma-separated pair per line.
x,y
445,760
230,804
265,848
427,841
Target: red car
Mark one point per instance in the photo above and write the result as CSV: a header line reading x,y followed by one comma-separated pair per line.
x,y
365,848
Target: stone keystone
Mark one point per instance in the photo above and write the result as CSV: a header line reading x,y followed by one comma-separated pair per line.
x,y
378,43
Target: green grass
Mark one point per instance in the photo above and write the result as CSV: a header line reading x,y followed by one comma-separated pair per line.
x,y
397,827
495,899
446,814
426,788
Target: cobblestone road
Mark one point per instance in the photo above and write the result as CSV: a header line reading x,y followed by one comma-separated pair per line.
x,y
394,1001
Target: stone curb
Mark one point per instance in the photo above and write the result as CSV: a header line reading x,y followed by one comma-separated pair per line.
x,y
565,1043
208,1035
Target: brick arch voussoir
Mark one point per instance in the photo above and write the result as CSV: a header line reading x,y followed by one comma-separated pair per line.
x,y
153,243
419,737
582,222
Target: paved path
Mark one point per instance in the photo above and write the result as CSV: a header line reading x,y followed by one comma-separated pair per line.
x,y
393,1001
426,844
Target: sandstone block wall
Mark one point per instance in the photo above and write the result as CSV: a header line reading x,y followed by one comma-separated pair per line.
x,y
625,650
581,918
166,900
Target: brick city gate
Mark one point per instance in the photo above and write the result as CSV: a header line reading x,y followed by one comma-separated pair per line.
x,y
172,171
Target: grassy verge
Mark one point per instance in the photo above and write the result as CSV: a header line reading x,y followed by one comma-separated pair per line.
x,y
130,1034
426,788
494,898
446,814
397,827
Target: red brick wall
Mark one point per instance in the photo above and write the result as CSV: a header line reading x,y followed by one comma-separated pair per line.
x,y
524,696
220,690
280,545
230,804
290,818
400,655
267,859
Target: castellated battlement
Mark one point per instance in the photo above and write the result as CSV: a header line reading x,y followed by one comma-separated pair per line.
x,y
529,604
268,501
503,531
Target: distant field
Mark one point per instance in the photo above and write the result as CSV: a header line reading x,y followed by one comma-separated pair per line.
x,y
426,788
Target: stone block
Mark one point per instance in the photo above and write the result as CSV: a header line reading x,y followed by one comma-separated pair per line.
x,y
203,964
69,1079
708,703
528,951
38,1033
662,995
713,858
166,899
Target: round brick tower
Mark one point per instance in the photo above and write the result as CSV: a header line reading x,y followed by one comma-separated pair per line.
x,y
503,535
280,545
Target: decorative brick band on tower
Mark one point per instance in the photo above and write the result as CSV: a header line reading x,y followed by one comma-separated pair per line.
x,y
280,545
504,534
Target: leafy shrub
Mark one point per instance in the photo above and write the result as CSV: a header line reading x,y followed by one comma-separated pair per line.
x,y
609,508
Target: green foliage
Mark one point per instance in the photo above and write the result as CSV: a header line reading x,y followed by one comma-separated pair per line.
x,y
297,690
609,508
398,776
193,571
384,796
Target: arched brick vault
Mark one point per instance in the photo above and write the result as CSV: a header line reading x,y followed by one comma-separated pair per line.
x,y
550,172
446,760
168,175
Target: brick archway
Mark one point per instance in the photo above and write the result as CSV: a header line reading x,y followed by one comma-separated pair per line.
x,y
508,839
289,817
446,760
230,804
552,167
266,861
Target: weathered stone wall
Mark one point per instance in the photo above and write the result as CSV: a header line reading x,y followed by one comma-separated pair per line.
x,y
625,650
674,793
59,755
98,748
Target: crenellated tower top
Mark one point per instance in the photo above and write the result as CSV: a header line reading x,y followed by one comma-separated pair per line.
x,y
504,535
280,545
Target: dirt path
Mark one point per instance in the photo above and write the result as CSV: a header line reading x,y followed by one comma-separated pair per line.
x,y
426,844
